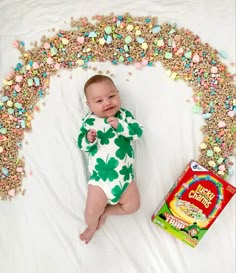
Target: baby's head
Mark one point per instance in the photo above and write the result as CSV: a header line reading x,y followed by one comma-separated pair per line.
x,y
102,96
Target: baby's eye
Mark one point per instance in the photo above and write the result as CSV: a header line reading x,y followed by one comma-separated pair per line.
x,y
98,101
112,96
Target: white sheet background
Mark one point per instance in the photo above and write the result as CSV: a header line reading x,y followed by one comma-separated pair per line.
x,y
39,231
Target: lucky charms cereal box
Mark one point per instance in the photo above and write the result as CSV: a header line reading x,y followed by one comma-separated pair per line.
x,y
193,204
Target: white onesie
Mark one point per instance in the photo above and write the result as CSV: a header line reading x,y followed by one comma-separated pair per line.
x,y
111,155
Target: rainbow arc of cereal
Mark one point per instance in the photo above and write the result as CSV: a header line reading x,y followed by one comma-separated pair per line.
x,y
119,39
210,179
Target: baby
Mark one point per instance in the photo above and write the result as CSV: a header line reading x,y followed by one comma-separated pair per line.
x,y
107,134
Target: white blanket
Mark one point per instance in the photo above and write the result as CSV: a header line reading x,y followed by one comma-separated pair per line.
x,y
39,232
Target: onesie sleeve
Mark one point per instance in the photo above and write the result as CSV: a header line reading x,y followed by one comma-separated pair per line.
x,y
129,127
83,142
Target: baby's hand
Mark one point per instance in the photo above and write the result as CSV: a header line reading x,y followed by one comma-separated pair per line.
x,y
91,135
113,122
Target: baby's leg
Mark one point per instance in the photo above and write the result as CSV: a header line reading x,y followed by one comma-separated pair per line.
x,y
95,206
129,203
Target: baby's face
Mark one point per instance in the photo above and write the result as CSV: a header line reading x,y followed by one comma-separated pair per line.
x,y
103,99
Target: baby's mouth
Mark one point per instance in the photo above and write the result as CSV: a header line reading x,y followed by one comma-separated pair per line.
x,y
109,108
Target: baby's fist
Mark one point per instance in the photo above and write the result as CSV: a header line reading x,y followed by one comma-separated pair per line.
x,y
91,135
113,122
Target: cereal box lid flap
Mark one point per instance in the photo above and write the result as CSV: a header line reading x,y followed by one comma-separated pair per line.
x,y
196,167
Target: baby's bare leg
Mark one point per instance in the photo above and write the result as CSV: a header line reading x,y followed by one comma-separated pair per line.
x,y
95,206
129,203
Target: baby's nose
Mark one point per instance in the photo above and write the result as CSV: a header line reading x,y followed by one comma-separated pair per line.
x,y
106,101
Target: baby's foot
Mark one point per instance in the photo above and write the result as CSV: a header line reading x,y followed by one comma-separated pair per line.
x,y
87,235
102,220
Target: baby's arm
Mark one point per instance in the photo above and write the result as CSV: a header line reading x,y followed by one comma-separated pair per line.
x,y
129,127
87,139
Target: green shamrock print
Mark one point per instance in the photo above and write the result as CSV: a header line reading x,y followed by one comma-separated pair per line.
x,y
93,150
124,148
117,192
120,128
83,132
134,129
128,114
89,121
104,136
127,172
107,170
118,115
94,176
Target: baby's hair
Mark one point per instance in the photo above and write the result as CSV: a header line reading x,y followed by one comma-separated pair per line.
x,y
95,79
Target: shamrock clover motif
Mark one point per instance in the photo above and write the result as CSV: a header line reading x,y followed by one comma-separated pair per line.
x,y
127,172
124,148
104,136
89,121
83,132
106,170
117,192
118,115
93,150
134,129
94,176
128,114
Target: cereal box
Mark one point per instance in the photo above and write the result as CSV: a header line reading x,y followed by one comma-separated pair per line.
x,y
193,203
